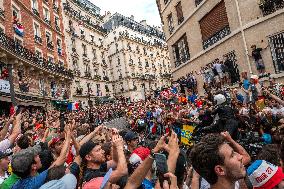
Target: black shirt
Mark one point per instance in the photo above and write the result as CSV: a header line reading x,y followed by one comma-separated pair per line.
x,y
89,174
256,54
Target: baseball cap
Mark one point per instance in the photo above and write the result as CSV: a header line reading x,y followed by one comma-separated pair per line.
x,y
87,148
264,175
99,182
22,160
130,135
68,181
55,140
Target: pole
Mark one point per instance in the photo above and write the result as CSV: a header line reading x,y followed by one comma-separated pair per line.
x,y
243,36
12,91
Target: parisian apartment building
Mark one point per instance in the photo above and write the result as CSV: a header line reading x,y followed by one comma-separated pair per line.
x,y
201,32
32,49
66,50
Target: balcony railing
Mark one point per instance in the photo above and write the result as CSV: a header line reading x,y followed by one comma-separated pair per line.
x,y
180,20
270,6
47,21
197,2
55,8
35,11
87,20
216,37
182,60
13,47
38,39
57,28
50,46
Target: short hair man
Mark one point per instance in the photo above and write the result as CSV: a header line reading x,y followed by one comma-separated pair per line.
x,y
131,139
217,162
4,163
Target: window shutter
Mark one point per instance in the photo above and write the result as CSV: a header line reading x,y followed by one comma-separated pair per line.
x,y
214,21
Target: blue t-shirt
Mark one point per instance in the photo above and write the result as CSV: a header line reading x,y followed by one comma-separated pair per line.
x,y
267,138
146,184
31,182
192,98
246,84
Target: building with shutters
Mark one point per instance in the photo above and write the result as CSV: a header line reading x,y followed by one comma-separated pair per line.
x,y
138,57
87,54
32,45
200,32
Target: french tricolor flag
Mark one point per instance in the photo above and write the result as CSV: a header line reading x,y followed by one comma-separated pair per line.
x,y
19,29
73,106
153,127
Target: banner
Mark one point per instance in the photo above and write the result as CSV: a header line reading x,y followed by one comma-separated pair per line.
x,y
184,133
4,86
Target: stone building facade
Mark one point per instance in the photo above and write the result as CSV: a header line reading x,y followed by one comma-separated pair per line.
x,y
32,44
138,57
86,51
201,31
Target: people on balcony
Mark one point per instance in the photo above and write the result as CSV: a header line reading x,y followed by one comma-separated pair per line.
x,y
4,73
24,84
256,54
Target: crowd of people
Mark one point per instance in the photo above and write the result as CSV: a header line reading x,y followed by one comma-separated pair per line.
x,y
237,142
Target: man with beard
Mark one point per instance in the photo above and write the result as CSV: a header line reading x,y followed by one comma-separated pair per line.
x,y
220,160
93,157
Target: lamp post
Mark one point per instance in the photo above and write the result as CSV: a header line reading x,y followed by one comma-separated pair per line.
x,y
10,78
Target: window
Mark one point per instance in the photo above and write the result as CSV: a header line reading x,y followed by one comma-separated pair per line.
x,y
170,23
99,90
50,59
38,54
46,15
181,51
36,29
95,54
166,1
179,13
92,38
214,26
48,37
84,49
277,50
57,23
16,14
96,71
59,47
34,4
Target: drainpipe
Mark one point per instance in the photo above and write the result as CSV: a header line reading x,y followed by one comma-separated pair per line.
x,y
243,36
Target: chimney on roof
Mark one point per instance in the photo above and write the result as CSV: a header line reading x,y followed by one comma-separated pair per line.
x,y
143,22
132,17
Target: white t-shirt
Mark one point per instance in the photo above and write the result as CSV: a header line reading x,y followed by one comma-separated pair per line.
x,y
205,185
218,67
3,178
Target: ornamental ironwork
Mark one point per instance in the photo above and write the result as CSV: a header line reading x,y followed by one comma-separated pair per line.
x,y
86,19
270,6
15,48
217,37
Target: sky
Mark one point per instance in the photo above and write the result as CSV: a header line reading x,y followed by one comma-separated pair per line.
x,y
141,9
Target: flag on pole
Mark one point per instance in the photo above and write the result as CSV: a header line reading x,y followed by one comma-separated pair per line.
x,y
73,106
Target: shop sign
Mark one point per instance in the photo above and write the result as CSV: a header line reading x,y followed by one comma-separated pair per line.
x,y
4,86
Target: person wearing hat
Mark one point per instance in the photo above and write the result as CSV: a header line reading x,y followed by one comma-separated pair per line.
x,y
131,139
26,163
93,157
4,163
264,175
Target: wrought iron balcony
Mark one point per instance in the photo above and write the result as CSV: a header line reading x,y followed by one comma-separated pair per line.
x,y
35,11
97,77
270,6
57,28
13,47
50,46
106,78
55,8
180,20
85,19
79,90
182,60
88,74
38,39
47,21
216,37
197,2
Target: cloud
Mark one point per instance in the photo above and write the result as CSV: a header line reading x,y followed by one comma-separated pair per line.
x,y
141,9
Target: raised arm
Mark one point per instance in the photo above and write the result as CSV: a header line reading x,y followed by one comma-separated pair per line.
x,y
91,135
237,147
65,149
4,131
16,128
